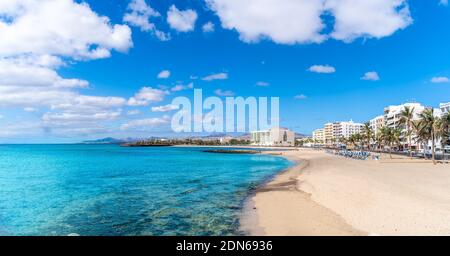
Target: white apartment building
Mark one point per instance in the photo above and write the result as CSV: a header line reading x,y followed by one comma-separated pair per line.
x,y
392,113
350,128
392,119
376,123
329,133
273,137
319,136
445,107
334,131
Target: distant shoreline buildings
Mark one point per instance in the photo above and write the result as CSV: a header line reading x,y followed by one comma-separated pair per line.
x,y
276,136
331,133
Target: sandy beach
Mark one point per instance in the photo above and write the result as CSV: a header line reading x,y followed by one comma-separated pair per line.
x,y
324,194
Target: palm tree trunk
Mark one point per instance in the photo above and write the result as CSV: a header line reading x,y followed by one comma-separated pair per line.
x,y
390,152
433,149
410,147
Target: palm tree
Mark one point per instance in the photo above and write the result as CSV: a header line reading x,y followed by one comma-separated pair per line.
x,y
359,139
396,137
430,127
368,134
351,140
444,130
342,140
406,118
354,140
421,137
333,142
390,137
384,138
379,138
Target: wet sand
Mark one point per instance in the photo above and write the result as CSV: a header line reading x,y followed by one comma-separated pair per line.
x,y
330,195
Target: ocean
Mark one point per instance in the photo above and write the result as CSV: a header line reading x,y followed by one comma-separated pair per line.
x,y
108,190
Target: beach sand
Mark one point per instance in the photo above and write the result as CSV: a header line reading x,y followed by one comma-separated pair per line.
x,y
331,195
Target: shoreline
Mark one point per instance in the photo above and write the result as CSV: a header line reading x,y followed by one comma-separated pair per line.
x,y
286,181
323,194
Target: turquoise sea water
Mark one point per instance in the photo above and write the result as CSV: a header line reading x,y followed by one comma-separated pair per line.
x,y
111,190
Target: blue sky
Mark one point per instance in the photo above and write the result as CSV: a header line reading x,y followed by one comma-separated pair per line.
x,y
407,44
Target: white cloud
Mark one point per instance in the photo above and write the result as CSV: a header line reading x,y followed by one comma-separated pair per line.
x,y
36,96
221,93
283,21
70,113
72,130
440,79
181,87
82,114
133,112
143,124
181,21
300,97
40,36
262,84
164,74
139,15
29,71
368,18
55,28
90,103
54,97
29,109
19,128
147,95
371,76
165,108
325,69
218,76
208,27
64,117
443,2
302,21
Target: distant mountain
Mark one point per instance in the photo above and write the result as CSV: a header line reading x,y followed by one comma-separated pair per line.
x,y
300,136
105,141
215,135
110,140
239,136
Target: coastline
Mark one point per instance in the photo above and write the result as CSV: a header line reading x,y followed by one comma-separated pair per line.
x,y
285,184
328,195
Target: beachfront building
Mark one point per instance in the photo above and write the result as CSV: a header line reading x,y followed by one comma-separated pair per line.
x,y
319,136
392,117
337,130
392,114
349,128
226,139
445,107
329,133
273,137
376,124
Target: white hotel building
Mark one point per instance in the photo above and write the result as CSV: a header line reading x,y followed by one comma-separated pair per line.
x,y
392,113
319,136
334,131
445,107
392,117
376,123
281,137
